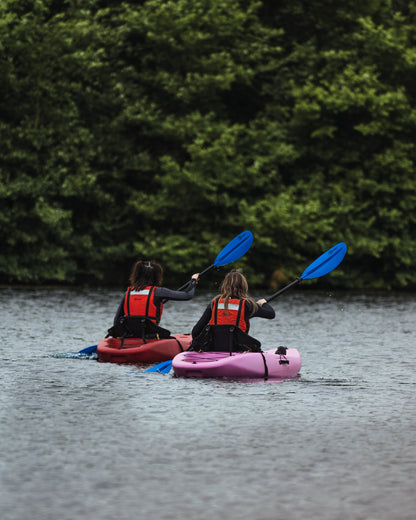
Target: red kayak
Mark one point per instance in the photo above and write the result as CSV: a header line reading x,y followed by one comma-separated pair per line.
x,y
135,350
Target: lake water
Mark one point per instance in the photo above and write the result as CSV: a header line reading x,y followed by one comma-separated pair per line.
x,y
87,440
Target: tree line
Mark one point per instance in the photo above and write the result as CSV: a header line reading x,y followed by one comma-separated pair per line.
x,y
161,129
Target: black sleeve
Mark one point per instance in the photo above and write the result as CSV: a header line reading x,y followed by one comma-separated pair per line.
x,y
120,310
265,311
203,321
163,293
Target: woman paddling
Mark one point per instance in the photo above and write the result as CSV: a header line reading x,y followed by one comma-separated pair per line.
x,y
225,323
141,307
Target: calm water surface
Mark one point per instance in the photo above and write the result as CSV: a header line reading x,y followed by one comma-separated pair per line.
x,y
87,440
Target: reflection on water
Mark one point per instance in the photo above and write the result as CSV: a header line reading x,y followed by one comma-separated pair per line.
x,y
89,440
331,382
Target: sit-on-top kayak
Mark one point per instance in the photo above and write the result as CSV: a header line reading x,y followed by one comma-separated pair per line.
x,y
274,363
134,350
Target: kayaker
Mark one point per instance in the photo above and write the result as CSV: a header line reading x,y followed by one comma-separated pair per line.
x,y
225,322
145,297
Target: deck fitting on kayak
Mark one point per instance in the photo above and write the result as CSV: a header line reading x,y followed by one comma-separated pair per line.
x,y
281,350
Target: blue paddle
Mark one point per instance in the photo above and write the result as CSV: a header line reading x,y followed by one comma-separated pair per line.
x,y
323,265
88,350
326,263
162,368
234,250
82,354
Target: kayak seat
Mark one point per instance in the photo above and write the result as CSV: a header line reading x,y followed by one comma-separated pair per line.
x,y
137,327
225,338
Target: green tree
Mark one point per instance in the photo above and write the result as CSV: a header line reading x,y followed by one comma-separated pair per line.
x,y
351,120
164,128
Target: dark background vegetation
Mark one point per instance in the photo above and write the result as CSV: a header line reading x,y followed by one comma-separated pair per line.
x,y
163,128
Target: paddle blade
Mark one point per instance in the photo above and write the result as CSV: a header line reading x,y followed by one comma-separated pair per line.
x,y
89,350
326,262
162,368
235,249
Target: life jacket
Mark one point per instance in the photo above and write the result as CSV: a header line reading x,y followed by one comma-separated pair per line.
x,y
235,315
142,303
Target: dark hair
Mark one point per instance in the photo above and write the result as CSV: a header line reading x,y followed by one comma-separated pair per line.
x,y
145,273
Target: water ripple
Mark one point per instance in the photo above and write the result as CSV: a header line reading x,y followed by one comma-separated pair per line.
x,y
94,440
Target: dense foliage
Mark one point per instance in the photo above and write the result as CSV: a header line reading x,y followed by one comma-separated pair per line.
x,y
163,128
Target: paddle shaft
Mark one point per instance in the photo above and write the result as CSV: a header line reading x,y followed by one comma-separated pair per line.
x,y
283,289
234,250
200,274
320,267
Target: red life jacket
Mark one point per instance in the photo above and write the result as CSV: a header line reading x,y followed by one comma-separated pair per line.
x,y
235,316
142,303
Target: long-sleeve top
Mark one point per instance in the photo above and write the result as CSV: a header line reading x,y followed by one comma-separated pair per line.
x,y
265,311
162,294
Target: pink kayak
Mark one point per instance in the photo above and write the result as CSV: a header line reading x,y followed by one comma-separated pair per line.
x,y
274,363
